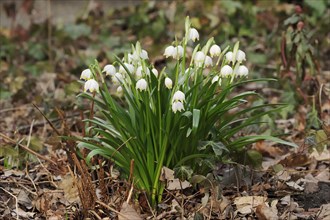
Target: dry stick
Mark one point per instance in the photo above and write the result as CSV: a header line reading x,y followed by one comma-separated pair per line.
x,y
16,203
34,185
27,149
111,209
49,122
95,214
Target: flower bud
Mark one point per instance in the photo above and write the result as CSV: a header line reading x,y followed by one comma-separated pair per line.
x,y
155,72
168,83
215,79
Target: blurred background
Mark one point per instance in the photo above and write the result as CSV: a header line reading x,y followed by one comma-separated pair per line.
x,y
45,44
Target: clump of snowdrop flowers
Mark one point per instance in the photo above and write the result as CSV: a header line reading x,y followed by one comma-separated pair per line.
x,y
168,83
168,113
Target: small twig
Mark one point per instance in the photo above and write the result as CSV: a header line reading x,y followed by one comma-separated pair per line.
x,y
152,212
111,209
95,214
34,185
16,202
27,149
49,122
30,134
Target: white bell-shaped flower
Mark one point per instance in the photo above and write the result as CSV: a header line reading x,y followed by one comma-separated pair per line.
x,y
178,53
144,55
91,85
117,78
169,51
215,79
242,71
178,96
86,74
208,61
240,56
177,106
199,58
168,83
215,50
229,56
130,68
138,73
155,72
141,85
226,71
109,70
193,34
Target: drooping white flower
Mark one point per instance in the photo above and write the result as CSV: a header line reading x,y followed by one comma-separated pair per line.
x,y
177,106
168,83
242,71
138,72
120,91
130,68
230,56
117,78
144,55
226,71
155,72
240,56
193,34
215,50
91,85
86,74
178,52
178,96
199,58
141,85
109,70
169,51
208,61
215,79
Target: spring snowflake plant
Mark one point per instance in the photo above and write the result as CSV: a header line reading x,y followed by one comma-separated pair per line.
x,y
168,113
